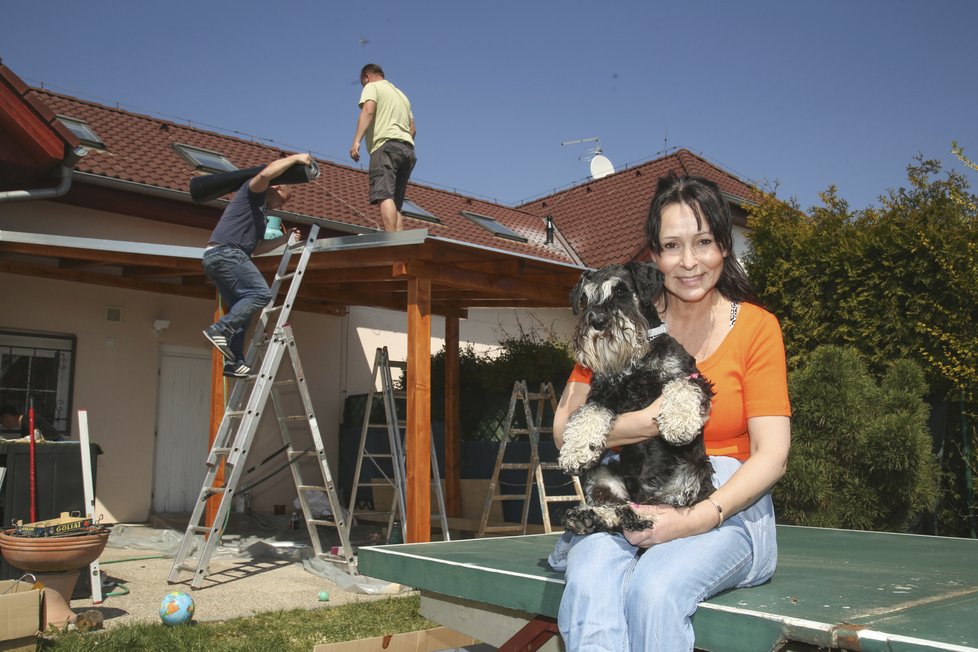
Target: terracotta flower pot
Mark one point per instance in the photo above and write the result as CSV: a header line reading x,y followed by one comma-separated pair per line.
x,y
56,563
52,554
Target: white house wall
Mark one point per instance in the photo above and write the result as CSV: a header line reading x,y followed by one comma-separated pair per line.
x,y
116,365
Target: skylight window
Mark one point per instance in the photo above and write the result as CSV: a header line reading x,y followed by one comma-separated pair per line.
x,y
85,134
410,209
493,226
204,159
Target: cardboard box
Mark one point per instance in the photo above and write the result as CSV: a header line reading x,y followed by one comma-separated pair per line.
x,y
428,640
21,615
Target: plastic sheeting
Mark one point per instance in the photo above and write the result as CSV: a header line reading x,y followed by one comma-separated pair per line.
x,y
167,542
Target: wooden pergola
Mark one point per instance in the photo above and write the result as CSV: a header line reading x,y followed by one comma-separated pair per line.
x,y
412,271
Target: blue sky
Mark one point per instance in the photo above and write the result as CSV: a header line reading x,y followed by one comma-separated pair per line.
x,y
802,93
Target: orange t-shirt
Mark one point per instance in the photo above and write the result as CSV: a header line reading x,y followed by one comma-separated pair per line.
x,y
749,377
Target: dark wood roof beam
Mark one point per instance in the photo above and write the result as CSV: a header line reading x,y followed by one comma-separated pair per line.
x,y
102,279
513,289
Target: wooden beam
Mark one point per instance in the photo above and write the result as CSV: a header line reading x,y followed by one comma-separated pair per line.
x,y
418,444
217,404
453,490
195,292
36,138
496,285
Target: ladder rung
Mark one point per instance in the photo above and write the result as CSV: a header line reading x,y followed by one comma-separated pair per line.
x,y
371,484
549,466
274,308
292,455
377,455
285,277
200,529
561,499
515,465
235,413
221,451
293,418
188,567
510,497
309,487
318,521
212,491
504,528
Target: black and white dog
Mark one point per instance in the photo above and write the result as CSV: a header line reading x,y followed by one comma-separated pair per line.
x,y
620,337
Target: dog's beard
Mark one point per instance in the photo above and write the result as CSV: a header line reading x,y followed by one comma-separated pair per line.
x,y
613,350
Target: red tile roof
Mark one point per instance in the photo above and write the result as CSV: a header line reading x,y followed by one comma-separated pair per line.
x,y
139,149
604,219
601,219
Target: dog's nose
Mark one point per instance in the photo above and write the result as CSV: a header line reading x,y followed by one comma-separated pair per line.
x,y
597,322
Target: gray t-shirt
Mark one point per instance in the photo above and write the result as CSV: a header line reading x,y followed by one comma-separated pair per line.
x,y
243,223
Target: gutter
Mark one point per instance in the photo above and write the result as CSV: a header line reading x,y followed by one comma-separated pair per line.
x,y
65,173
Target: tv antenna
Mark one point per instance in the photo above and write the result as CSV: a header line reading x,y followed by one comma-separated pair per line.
x,y
599,163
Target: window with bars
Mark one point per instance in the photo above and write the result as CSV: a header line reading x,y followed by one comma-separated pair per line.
x,y
39,367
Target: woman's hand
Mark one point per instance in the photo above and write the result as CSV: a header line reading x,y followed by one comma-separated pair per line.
x,y
671,523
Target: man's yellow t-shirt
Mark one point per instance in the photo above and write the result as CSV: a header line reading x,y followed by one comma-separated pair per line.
x,y
392,119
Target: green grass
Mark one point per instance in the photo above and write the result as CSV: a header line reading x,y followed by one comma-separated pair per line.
x,y
298,630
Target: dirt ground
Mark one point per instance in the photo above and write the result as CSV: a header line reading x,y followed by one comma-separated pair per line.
x,y
266,578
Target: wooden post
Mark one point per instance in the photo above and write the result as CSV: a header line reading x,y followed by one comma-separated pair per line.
x,y
453,491
418,444
217,414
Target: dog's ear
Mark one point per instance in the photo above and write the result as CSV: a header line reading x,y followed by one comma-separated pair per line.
x,y
577,293
648,281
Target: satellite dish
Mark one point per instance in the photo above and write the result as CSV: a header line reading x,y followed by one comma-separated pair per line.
x,y
601,166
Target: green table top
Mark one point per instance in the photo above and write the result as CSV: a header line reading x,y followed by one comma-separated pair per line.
x,y
833,588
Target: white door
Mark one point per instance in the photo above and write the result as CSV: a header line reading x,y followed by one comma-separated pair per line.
x,y
182,427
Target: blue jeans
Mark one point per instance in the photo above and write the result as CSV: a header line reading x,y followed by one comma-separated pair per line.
x,y
243,290
620,598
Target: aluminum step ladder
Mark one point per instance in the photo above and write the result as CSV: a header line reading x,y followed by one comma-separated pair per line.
x,y
534,467
272,339
389,463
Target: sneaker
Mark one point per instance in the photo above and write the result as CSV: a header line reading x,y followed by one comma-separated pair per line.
x,y
237,369
219,340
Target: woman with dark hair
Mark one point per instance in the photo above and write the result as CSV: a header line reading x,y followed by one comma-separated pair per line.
x,y
728,540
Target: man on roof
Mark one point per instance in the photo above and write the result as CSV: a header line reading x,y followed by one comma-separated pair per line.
x,y
388,124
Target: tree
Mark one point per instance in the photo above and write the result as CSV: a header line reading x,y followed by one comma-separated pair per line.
x,y
898,281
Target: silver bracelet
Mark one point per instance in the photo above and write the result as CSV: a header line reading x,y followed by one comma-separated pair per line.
x,y
719,511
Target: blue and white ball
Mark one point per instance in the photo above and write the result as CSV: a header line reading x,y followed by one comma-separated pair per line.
x,y
177,608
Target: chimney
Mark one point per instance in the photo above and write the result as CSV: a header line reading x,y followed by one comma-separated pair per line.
x,y
550,229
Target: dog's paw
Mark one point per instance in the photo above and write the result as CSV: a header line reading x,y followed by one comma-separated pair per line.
x,y
588,519
584,438
629,519
681,418
579,520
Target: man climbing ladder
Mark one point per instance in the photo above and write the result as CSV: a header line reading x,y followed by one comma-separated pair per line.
x,y
227,259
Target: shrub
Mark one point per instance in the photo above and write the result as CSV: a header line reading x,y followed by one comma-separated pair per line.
x,y
861,453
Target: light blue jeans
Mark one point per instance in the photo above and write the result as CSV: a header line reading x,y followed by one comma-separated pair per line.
x,y
618,598
243,290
